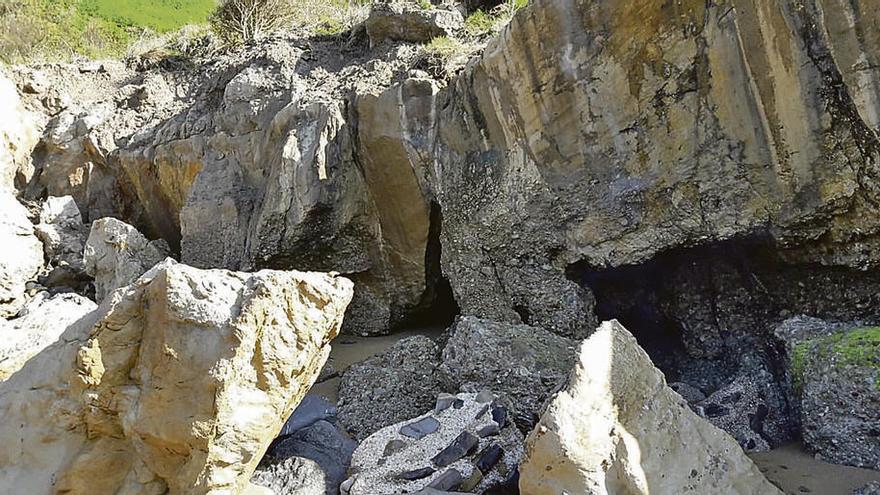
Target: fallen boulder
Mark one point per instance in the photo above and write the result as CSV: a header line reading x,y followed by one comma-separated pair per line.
x,y
389,387
39,324
312,461
408,21
22,253
520,363
464,444
116,254
617,428
834,375
176,384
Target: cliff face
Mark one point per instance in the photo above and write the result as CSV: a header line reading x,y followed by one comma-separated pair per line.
x,y
588,134
607,132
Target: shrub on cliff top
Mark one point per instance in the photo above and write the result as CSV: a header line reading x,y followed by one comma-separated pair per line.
x,y
246,20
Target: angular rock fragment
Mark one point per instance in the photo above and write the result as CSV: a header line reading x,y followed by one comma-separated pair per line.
x,y
618,429
448,458
834,374
116,254
39,324
390,387
175,385
519,363
407,21
62,231
465,444
419,429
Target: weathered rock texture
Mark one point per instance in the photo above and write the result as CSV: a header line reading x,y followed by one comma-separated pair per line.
x,y
177,384
409,21
634,127
390,387
523,365
116,254
312,461
18,133
39,324
63,233
618,429
22,253
386,462
834,377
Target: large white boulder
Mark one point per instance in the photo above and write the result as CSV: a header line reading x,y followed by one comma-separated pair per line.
x,y
176,384
617,428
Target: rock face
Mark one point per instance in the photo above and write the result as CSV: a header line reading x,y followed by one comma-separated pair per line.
x,y
618,429
177,384
63,233
465,450
834,371
312,461
18,134
408,21
523,365
389,387
116,254
38,325
22,253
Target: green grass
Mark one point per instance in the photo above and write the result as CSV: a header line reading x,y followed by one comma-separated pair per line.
x,y
858,347
60,29
159,15
478,23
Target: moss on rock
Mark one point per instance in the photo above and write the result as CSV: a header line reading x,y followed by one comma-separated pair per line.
x,y
858,347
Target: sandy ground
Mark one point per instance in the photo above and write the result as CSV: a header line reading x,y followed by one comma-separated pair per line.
x,y
790,467
796,472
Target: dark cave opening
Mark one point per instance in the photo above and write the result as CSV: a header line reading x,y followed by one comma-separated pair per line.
x,y
703,313
437,307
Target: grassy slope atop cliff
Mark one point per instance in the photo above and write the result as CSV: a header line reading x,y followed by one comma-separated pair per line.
x,y
58,29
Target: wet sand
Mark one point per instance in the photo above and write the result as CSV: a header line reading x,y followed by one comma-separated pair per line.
x,y
790,467
795,471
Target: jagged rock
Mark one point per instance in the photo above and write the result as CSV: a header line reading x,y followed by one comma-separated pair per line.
x,y
523,365
63,233
618,429
22,253
39,324
312,461
872,488
444,459
615,159
834,376
409,21
18,134
753,410
116,254
176,384
389,387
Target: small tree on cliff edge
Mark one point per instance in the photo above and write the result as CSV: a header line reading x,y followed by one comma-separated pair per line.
x,y
246,20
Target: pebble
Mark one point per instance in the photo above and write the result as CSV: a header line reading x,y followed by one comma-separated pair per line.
x,y
489,457
499,415
420,428
488,431
416,474
485,396
443,402
463,445
449,480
